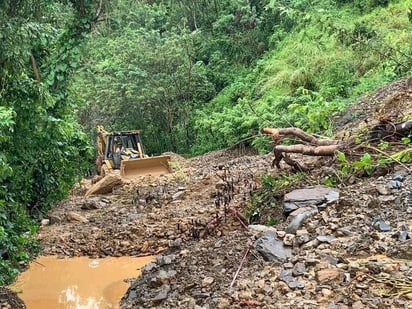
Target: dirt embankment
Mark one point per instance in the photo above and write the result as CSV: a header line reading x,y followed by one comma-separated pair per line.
x,y
354,252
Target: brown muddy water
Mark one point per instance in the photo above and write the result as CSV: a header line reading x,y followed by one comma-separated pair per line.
x,y
77,283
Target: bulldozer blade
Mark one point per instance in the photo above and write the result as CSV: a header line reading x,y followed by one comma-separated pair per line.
x,y
154,166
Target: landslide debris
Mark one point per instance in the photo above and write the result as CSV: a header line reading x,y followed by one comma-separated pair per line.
x,y
352,251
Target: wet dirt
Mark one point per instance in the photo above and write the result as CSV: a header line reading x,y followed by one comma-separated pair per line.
x,y
74,283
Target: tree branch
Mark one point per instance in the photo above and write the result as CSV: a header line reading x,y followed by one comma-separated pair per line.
x,y
277,133
35,69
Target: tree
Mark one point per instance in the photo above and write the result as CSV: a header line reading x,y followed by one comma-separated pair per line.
x,y
43,149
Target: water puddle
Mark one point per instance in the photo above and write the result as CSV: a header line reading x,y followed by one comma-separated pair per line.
x,y
77,283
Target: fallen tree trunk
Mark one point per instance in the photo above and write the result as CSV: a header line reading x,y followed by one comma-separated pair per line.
x,y
315,147
328,150
302,135
104,185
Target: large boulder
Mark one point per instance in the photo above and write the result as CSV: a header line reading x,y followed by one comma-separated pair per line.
x,y
319,196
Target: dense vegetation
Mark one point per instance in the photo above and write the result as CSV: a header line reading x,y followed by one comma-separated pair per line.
x,y
201,75
43,149
193,75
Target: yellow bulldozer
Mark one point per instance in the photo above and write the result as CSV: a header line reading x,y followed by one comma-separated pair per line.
x,y
124,150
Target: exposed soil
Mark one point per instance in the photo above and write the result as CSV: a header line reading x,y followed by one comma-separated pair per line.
x,y
354,253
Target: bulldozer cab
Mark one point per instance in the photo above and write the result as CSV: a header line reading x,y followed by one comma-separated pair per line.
x,y
129,142
124,150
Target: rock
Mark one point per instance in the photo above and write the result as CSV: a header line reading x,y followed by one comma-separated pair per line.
x,y
299,211
245,295
281,234
383,190
387,198
358,305
75,217
271,248
288,240
394,184
354,266
398,177
319,196
310,244
328,274
45,222
207,281
131,294
329,258
343,231
165,259
175,243
381,225
301,232
165,276
54,219
223,303
302,240
327,239
90,205
404,233
289,207
326,292
283,287
162,295
149,267
260,228
177,195
297,222
261,283
299,269
293,283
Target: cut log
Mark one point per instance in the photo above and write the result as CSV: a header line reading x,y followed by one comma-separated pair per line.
x,y
316,147
328,150
105,185
302,135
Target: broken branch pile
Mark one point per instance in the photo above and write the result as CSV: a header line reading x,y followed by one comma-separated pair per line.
x,y
313,146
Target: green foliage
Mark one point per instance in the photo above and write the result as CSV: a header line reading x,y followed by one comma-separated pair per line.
x,y
198,76
403,156
17,239
44,150
146,79
310,112
366,5
265,201
155,68
366,165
